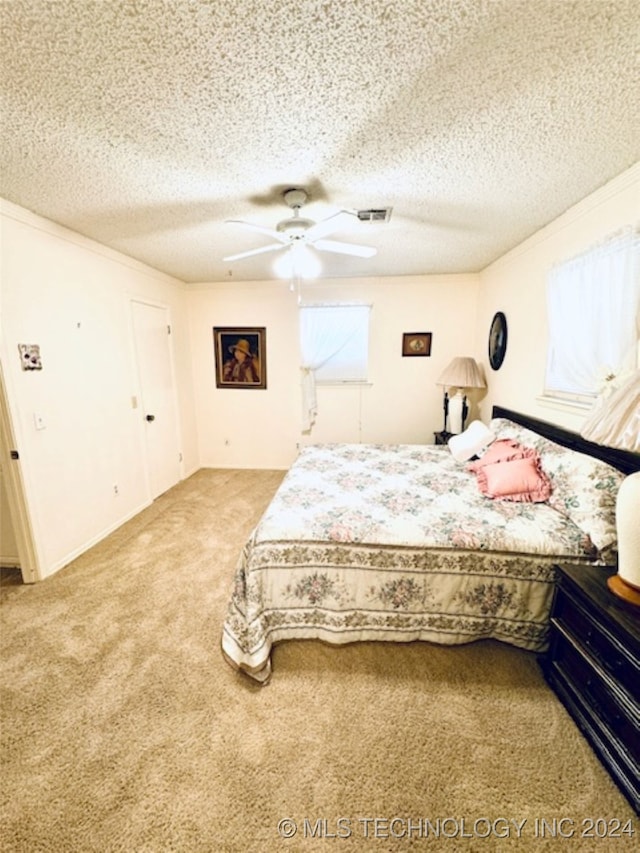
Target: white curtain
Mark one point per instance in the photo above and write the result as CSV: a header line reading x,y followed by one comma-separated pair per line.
x,y
325,332
593,311
615,420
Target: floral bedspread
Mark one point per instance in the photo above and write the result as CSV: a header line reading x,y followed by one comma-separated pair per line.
x,y
393,542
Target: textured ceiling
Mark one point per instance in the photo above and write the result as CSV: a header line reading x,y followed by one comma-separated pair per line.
x,y
144,124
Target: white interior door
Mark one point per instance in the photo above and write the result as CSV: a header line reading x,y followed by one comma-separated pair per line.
x,y
158,396
8,543
14,502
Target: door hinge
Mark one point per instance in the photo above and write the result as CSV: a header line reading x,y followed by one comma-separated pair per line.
x,y
168,330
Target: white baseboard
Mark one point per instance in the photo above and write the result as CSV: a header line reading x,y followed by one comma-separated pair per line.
x,y
72,555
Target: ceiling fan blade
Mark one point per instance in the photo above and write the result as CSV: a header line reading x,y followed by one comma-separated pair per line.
x,y
270,232
327,226
270,248
345,248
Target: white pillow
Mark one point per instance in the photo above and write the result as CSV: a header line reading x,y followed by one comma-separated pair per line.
x,y
473,440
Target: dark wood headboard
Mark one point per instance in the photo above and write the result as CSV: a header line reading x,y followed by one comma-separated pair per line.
x,y
623,460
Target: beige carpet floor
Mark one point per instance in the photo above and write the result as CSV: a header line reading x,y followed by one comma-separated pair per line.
x,y
123,729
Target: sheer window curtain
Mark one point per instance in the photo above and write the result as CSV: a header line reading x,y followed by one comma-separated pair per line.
x,y
615,420
326,332
593,313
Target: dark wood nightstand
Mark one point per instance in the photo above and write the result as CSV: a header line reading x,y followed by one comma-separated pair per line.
x,y
442,437
593,665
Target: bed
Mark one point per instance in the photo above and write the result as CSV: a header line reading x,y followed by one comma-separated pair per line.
x,y
401,543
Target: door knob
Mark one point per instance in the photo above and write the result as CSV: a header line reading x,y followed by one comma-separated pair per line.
x,y
150,418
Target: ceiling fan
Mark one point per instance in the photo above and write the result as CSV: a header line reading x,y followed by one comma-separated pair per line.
x,y
298,231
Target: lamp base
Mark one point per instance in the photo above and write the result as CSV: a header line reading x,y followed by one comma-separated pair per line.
x,y
623,590
457,404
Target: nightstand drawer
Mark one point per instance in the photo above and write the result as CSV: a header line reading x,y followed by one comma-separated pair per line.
x,y
599,695
593,665
612,753
618,662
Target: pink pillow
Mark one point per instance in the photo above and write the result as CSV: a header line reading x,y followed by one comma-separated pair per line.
x,y
515,480
502,451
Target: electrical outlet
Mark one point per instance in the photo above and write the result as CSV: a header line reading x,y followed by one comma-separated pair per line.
x,y
38,421
116,490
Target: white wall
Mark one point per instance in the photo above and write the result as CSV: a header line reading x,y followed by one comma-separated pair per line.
x,y
516,284
261,428
72,297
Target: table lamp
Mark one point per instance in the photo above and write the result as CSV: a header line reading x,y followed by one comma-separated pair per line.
x,y
461,374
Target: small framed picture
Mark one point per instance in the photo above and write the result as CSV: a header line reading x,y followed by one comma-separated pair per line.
x,y
240,354
30,357
416,343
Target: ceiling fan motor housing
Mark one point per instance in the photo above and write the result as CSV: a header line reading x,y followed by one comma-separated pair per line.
x,y
295,227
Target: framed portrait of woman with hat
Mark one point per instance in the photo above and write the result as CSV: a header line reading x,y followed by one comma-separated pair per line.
x,y
240,357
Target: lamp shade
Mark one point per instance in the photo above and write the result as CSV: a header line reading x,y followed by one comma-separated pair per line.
x,y
462,372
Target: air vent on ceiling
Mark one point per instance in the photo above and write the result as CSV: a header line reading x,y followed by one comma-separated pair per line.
x,y
378,214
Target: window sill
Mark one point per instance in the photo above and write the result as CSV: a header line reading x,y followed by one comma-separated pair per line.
x,y
343,383
562,405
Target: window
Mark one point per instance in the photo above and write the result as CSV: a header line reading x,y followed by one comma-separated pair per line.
x,y
334,344
593,305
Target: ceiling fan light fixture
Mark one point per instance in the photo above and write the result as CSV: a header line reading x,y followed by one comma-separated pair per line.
x,y
299,261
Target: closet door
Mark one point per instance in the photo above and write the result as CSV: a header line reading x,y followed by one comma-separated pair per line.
x,y
8,544
17,542
158,409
